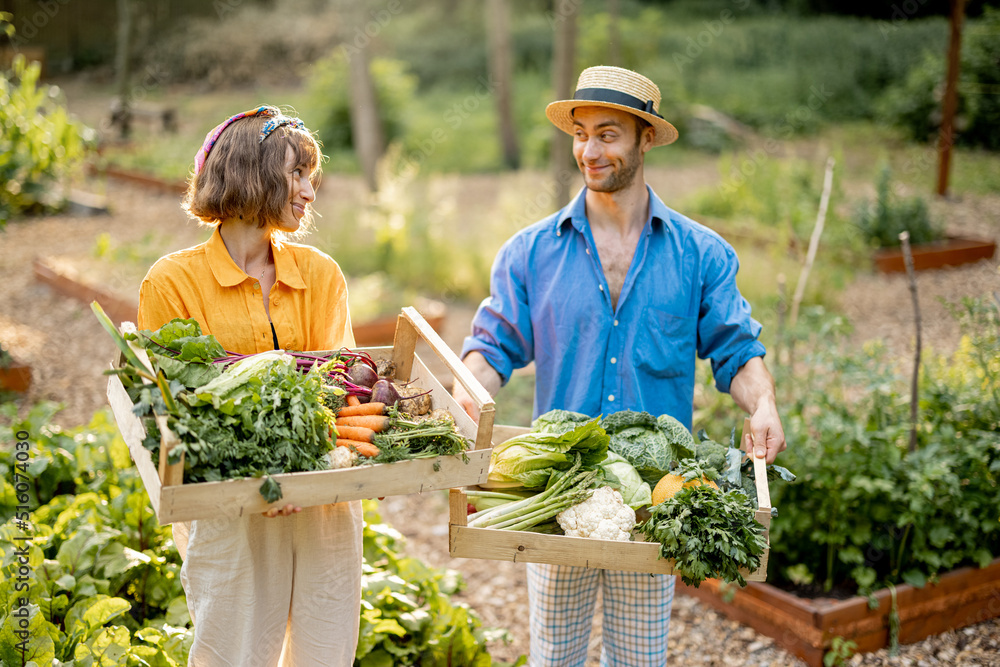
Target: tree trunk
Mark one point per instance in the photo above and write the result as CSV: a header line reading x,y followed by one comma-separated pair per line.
x,y
498,32
121,114
563,70
614,34
366,126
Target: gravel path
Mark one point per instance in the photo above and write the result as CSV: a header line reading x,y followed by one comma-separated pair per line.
x,y
68,351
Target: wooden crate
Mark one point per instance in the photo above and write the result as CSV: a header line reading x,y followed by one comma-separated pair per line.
x,y
173,500
527,547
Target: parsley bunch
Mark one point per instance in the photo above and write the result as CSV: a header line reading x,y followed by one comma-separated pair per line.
x,y
708,534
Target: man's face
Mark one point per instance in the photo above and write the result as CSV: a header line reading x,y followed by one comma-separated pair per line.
x,y
608,147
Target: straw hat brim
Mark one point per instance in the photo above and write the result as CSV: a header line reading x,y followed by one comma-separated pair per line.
x,y
561,115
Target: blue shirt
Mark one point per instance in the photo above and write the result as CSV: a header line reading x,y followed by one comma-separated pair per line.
x,y
549,303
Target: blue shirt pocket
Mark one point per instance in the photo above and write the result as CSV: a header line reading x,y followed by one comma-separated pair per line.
x,y
665,344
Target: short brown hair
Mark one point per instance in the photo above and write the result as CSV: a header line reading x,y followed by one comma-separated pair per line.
x,y
244,177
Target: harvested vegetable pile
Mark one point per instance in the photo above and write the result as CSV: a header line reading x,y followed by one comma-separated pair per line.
x,y
562,478
257,415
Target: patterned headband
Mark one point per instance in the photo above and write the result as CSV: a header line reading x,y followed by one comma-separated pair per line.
x,y
275,120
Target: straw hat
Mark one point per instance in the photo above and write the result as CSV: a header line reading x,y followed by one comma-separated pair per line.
x,y
615,88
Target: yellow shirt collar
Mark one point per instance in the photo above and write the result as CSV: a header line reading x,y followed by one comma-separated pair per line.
x,y
229,275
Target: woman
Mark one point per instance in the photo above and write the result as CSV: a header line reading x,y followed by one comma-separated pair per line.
x,y
262,590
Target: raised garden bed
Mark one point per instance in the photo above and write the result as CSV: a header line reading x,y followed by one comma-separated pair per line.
x,y
953,251
806,627
15,377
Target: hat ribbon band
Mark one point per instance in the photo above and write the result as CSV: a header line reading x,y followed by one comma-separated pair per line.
x,y
616,97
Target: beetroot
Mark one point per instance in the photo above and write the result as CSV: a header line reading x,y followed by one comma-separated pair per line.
x,y
383,391
362,374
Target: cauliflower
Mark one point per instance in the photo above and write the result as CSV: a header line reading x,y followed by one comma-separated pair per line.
x,y
603,516
342,457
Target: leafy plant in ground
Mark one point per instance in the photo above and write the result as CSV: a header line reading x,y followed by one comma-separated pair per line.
x,y
102,575
880,222
40,144
864,511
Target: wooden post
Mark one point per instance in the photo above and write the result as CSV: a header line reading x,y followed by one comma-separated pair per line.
x,y
946,138
800,288
782,311
904,238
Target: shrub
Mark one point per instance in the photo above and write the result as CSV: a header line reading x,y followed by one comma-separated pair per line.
x,y
864,511
880,222
40,144
914,104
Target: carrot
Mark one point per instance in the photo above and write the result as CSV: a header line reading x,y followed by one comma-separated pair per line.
x,y
355,433
365,449
363,409
374,422
353,400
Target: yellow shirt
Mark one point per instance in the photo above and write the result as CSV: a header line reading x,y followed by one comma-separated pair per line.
x,y
308,302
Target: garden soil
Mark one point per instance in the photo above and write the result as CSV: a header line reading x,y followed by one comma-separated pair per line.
x,y
67,350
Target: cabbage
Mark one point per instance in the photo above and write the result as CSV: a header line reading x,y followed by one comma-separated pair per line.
x,y
649,443
528,460
621,475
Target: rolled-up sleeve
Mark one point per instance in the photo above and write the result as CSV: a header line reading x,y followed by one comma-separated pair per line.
x,y
727,334
501,328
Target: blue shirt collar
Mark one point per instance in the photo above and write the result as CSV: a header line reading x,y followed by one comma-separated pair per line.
x,y
575,212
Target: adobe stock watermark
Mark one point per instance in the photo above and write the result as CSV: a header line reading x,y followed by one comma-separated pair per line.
x,y
454,117
793,121
23,574
544,203
29,26
153,76
564,9
712,30
364,34
901,13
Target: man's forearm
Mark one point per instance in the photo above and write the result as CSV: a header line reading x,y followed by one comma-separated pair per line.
x,y
752,384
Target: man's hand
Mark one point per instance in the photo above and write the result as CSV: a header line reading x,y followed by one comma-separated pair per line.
x,y
753,390
487,376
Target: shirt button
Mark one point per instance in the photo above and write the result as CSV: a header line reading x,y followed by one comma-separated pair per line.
x,y
256,285
616,322
613,360
600,287
611,398
588,251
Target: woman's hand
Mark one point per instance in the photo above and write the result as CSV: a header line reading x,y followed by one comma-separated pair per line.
x,y
287,510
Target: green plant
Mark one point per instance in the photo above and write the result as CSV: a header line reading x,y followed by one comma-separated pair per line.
x,y
865,512
101,574
880,222
840,652
40,144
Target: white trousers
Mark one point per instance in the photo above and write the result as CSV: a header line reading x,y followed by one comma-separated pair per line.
x,y
634,625
284,591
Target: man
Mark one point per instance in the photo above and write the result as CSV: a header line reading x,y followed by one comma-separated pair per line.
x,y
613,297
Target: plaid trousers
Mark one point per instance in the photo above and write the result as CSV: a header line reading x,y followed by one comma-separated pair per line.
x,y
635,621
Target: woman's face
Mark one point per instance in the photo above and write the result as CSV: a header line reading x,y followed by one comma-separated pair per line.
x,y
300,192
